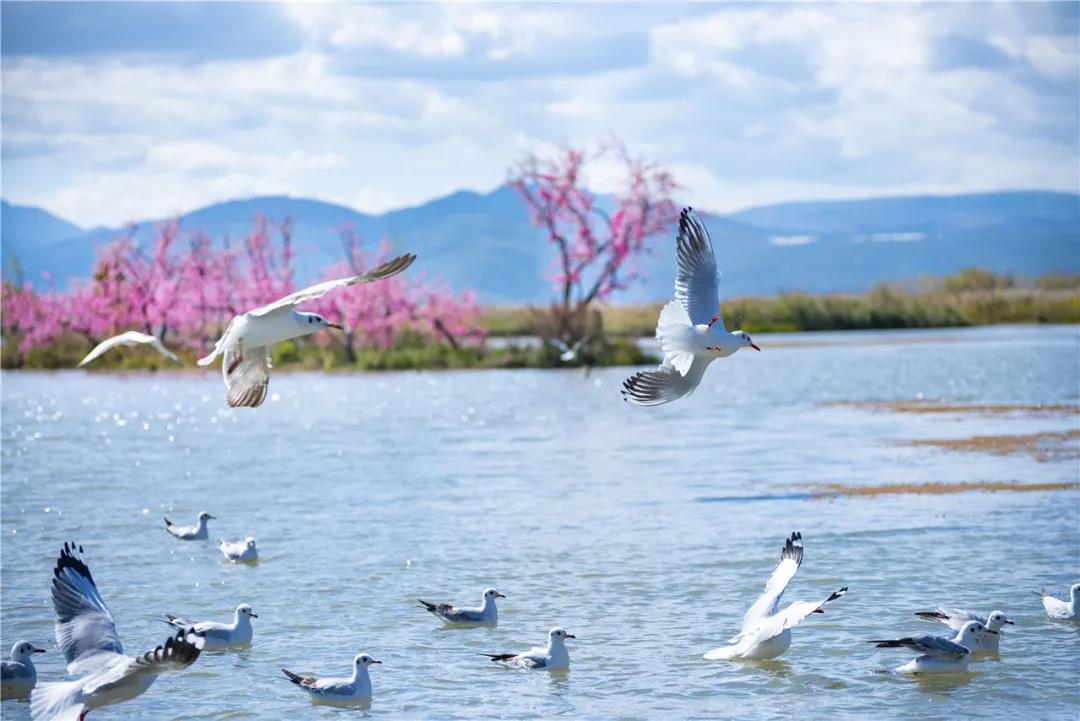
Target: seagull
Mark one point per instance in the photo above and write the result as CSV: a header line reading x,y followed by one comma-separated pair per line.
x,y
241,551
247,339
955,618
130,339
197,532
1059,610
220,635
553,657
766,630
487,614
939,654
18,676
338,690
86,633
691,332
568,353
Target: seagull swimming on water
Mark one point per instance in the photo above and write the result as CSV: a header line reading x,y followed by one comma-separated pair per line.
x,y
130,339
938,653
239,552
1059,610
86,633
338,690
955,618
198,532
766,630
552,657
220,635
247,339
18,675
691,332
487,614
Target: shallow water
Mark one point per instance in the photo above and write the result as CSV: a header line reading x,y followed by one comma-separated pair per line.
x,y
646,532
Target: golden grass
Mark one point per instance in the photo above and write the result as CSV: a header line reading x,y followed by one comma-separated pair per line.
x,y
1046,446
932,407
937,488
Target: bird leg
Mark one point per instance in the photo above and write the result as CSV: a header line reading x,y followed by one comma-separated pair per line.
x,y
713,320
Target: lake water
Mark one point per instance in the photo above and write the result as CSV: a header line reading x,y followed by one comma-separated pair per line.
x,y
645,532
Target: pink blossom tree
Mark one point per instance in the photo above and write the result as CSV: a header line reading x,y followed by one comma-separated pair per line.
x,y
597,246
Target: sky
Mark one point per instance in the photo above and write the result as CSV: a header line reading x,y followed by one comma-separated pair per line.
x,y
119,112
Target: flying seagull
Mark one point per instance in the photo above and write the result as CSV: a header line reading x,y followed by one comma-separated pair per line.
x,y
955,618
198,532
338,690
86,633
939,654
247,339
691,332
766,630
18,675
487,614
553,657
220,635
130,339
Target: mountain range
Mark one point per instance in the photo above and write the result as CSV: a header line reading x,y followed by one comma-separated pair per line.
x,y
485,241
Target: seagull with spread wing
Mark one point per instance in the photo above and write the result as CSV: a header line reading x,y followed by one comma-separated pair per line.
x,y
691,332
129,339
245,344
86,633
766,630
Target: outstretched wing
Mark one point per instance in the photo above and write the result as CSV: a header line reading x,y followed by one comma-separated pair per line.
x,y
663,385
177,653
222,343
697,284
790,559
246,378
928,645
779,622
131,337
386,270
84,625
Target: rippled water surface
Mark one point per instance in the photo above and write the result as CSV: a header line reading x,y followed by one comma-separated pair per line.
x,y
646,532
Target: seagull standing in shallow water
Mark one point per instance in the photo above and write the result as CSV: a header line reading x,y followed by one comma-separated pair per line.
x,y
18,676
939,654
247,339
486,615
553,657
198,532
691,332
1060,610
955,619
766,630
86,633
338,690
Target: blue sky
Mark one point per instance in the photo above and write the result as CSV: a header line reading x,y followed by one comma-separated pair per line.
x,y
115,112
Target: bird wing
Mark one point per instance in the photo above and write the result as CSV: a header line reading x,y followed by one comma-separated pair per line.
x,y
220,345
246,378
461,615
160,348
790,559
938,646
9,670
131,337
177,653
386,270
663,385
84,625
954,618
697,283
791,616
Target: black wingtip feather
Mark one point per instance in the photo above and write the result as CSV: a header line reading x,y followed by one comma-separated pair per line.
x,y
793,548
930,614
69,559
496,657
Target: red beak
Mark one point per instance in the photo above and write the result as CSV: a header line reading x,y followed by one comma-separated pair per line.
x,y
754,347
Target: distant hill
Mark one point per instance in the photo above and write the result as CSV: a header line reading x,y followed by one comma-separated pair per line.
x,y
485,241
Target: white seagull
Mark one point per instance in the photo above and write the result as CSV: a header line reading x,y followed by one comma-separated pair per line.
x,y
552,657
1059,610
86,633
338,690
487,614
691,331
220,635
955,618
130,339
198,532
241,551
766,630
939,654
568,353
18,676
249,336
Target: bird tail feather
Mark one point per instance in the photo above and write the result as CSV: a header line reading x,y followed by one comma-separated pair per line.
x,y
724,653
